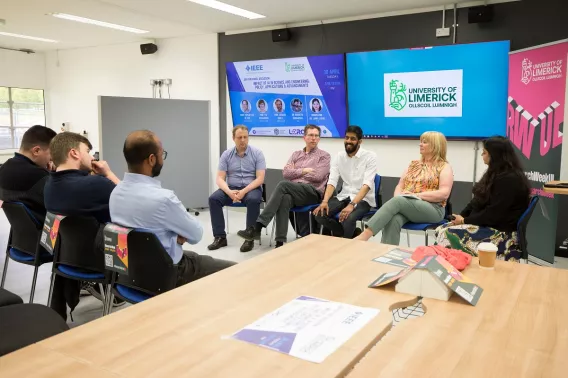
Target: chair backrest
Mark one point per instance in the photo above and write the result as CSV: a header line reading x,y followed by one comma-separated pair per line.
x,y
449,209
25,229
378,195
522,226
80,244
150,268
264,193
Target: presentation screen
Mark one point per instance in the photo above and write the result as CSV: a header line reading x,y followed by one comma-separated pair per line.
x,y
278,97
458,90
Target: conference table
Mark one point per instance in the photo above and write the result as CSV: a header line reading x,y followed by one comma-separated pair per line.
x,y
517,329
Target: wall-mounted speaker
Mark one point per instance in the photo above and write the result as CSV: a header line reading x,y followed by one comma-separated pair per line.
x,y
483,13
281,35
148,48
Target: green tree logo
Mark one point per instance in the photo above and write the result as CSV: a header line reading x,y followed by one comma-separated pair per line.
x,y
287,65
398,96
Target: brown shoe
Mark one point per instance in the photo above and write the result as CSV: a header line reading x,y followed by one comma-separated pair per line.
x,y
247,246
217,243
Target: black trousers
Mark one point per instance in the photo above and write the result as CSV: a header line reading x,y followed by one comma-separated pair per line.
x,y
347,227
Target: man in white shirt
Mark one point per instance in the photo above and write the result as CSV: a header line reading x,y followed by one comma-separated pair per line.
x,y
357,168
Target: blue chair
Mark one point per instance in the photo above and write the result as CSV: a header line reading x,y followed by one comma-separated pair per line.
x,y
151,270
239,204
522,228
425,227
78,254
298,209
23,241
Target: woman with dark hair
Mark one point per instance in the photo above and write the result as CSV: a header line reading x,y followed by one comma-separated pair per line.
x,y
499,199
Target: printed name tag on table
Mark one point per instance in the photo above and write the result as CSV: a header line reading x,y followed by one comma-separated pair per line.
x,y
308,328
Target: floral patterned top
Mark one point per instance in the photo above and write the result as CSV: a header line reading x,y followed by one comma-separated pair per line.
x,y
422,177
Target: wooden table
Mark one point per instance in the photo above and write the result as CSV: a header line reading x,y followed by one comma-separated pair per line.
x,y
517,329
183,332
556,190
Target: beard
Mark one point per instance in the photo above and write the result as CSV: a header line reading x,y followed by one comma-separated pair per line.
x,y
156,170
350,148
85,167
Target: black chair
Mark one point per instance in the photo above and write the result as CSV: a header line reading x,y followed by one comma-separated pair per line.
x,y
151,270
522,228
7,298
78,254
23,242
25,324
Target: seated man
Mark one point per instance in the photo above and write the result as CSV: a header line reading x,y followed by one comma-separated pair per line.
x,y
239,178
23,177
357,168
73,191
305,176
162,212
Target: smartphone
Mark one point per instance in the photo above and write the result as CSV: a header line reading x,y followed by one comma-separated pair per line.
x,y
96,156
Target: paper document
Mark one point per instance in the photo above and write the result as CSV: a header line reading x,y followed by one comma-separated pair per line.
x,y
308,328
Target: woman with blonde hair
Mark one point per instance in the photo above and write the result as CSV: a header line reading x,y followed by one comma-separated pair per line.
x,y
420,195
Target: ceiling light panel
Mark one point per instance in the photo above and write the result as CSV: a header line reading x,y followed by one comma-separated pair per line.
x,y
103,24
228,8
27,37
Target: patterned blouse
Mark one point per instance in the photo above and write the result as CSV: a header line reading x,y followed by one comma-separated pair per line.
x,y
423,177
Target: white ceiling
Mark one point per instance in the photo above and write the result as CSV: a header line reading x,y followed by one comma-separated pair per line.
x,y
168,18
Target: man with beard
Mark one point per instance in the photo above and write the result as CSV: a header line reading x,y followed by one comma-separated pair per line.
x,y
73,191
357,167
162,212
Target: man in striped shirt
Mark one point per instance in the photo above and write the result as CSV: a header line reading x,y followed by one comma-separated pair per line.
x,y
305,176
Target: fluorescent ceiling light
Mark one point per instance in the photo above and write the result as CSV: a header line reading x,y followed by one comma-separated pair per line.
x,y
28,37
228,8
84,20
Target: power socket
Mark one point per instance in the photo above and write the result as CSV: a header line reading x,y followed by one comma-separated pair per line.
x,y
442,32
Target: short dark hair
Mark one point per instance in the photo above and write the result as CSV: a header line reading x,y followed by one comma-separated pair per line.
x,y
64,142
310,126
138,146
355,130
37,136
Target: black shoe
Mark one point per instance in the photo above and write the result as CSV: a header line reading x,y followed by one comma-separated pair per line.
x,y
357,232
250,234
279,244
217,243
247,246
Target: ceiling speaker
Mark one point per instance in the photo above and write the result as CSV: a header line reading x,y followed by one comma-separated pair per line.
x,y
148,48
480,14
281,35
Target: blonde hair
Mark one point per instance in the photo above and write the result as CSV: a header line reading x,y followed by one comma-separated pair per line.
x,y
438,143
239,127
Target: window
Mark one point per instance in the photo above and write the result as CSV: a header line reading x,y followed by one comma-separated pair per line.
x,y
19,110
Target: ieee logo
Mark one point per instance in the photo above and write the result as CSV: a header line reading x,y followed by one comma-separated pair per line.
x,y
254,68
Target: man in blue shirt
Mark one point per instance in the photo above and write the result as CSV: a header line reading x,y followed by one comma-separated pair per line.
x,y
161,211
239,178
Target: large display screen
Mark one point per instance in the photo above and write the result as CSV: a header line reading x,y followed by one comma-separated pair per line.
x,y
459,90
278,97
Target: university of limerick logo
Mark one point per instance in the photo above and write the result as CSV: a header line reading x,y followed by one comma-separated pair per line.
x,y
398,96
527,71
287,65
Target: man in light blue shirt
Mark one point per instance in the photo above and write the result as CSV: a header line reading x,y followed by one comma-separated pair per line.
x,y
239,178
139,201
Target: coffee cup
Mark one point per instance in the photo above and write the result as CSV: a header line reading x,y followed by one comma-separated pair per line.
x,y
487,253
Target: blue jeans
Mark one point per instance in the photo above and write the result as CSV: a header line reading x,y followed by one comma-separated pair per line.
x,y
219,199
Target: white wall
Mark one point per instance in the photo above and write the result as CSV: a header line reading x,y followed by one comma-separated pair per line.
x,y
75,79
393,155
20,70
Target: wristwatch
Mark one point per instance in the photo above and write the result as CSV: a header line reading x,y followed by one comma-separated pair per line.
x,y
353,204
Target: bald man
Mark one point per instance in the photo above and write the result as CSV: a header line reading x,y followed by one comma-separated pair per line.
x,y
162,213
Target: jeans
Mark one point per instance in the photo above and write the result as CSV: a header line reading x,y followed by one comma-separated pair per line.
x,y
400,210
287,195
219,199
347,227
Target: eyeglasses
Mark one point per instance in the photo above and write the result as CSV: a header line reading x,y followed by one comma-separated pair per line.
x,y
165,155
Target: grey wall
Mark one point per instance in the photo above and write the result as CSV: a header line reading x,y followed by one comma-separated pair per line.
x,y
180,124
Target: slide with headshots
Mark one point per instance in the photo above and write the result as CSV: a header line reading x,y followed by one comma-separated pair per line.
x,y
278,97
458,90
